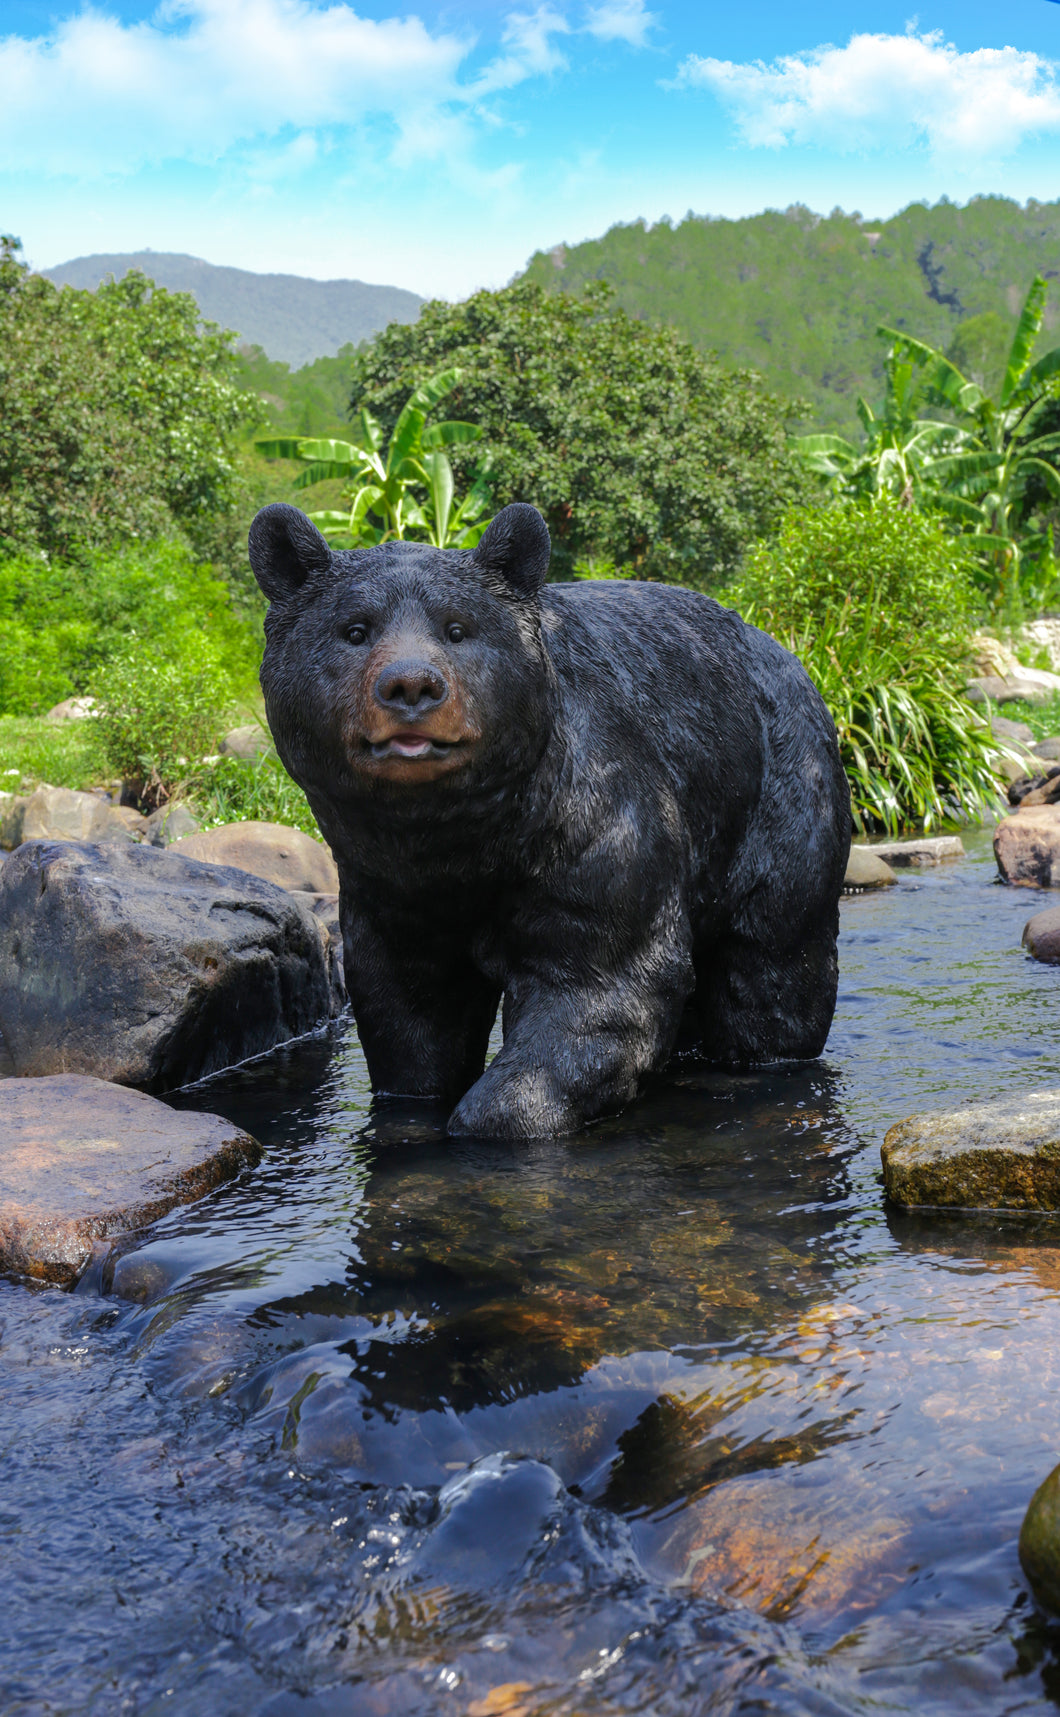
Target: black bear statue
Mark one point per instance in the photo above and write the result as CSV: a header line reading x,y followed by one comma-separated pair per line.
x,y
613,804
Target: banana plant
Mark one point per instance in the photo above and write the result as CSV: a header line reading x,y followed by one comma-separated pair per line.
x,y
384,504
987,482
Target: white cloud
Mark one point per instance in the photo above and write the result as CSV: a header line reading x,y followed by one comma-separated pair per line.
x,y
885,91
527,36
621,21
100,96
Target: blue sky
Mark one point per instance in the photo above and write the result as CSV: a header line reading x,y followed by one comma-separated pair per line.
x,y
437,148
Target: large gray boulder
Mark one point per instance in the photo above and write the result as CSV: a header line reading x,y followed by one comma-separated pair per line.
x,y
62,814
83,1162
140,966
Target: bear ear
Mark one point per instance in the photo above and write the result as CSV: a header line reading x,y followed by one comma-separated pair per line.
x,y
516,546
285,548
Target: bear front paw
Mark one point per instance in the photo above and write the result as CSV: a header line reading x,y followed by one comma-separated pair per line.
x,y
513,1104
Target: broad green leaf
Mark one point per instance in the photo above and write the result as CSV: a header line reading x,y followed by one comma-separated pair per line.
x,y
333,451
435,388
406,439
454,434
324,472
280,447
1023,340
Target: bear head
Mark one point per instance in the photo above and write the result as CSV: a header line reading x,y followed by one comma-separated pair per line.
x,y
401,668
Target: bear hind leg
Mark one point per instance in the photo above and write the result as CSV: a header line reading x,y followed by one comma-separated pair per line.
x,y
758,1004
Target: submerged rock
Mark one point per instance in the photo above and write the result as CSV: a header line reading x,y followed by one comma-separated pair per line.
x,y
146,968
1003,1155
84,1161
865,869
1039,1545
276,853
933,849
1027,847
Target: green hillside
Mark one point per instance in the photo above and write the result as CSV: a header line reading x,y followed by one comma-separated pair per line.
x,y
798,296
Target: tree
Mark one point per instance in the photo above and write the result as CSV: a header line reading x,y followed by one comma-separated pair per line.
x,y
635,447
117,411
383,504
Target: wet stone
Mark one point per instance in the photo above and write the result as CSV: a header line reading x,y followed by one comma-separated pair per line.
x,y
1027,847
866,870
935,849
1039,1545
83,1162
1003,1155
1041,936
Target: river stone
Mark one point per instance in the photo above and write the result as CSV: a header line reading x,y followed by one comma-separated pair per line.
x,y
170,823
247,742
934,849
1021,689
147,968
1016,732
82,1161
1027,847
12,816
1048,750
272,851
866,870
1039,1545
325,908
61,814
1041,936
1003,1155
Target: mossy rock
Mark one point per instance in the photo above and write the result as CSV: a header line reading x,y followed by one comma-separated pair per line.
x,y
1040,1542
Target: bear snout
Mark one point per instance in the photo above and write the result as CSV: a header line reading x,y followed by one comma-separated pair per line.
x,y
410,688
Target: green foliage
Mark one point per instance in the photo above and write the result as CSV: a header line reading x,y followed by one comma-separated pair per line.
x,y
233,791
60,620
633,446
383,503
311,401
876,601
158,717
798,296
117,412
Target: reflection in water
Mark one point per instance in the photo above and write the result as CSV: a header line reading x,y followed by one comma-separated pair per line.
x,y
672,1416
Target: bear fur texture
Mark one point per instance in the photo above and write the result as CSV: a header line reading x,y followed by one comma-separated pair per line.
x,y
615,804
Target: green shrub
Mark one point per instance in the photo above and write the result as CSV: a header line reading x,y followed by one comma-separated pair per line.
x,y
877,601
233,790
60,621
158,717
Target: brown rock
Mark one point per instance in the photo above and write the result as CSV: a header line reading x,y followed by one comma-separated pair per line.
x,y
1048,750
1039,1545
12,816
1030,686
272,851
1040,788
1041,936
83,1161
72,709
1027,847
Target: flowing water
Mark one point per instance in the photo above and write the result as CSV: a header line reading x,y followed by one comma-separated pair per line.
x,y
673,1417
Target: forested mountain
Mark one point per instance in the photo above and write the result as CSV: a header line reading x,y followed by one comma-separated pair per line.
x,y
294,319
798,296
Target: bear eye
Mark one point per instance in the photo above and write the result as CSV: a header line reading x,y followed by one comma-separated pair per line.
x,y
455,633
357,634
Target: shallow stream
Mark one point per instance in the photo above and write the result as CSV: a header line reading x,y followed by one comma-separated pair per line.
x,y
673,1417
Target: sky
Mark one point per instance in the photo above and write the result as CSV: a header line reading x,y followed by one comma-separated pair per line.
x,y
438,148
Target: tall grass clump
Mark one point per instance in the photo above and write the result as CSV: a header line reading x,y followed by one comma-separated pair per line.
x,y
878,601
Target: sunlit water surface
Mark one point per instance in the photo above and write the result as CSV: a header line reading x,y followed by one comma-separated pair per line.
x,y
672,1417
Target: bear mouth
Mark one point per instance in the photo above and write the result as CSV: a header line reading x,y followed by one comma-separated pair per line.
x,y
411,746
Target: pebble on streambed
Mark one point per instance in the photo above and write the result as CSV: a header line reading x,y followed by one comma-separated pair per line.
x,y
1001,1155
84,1161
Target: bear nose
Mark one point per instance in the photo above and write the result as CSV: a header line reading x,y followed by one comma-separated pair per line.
x,y
412,687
